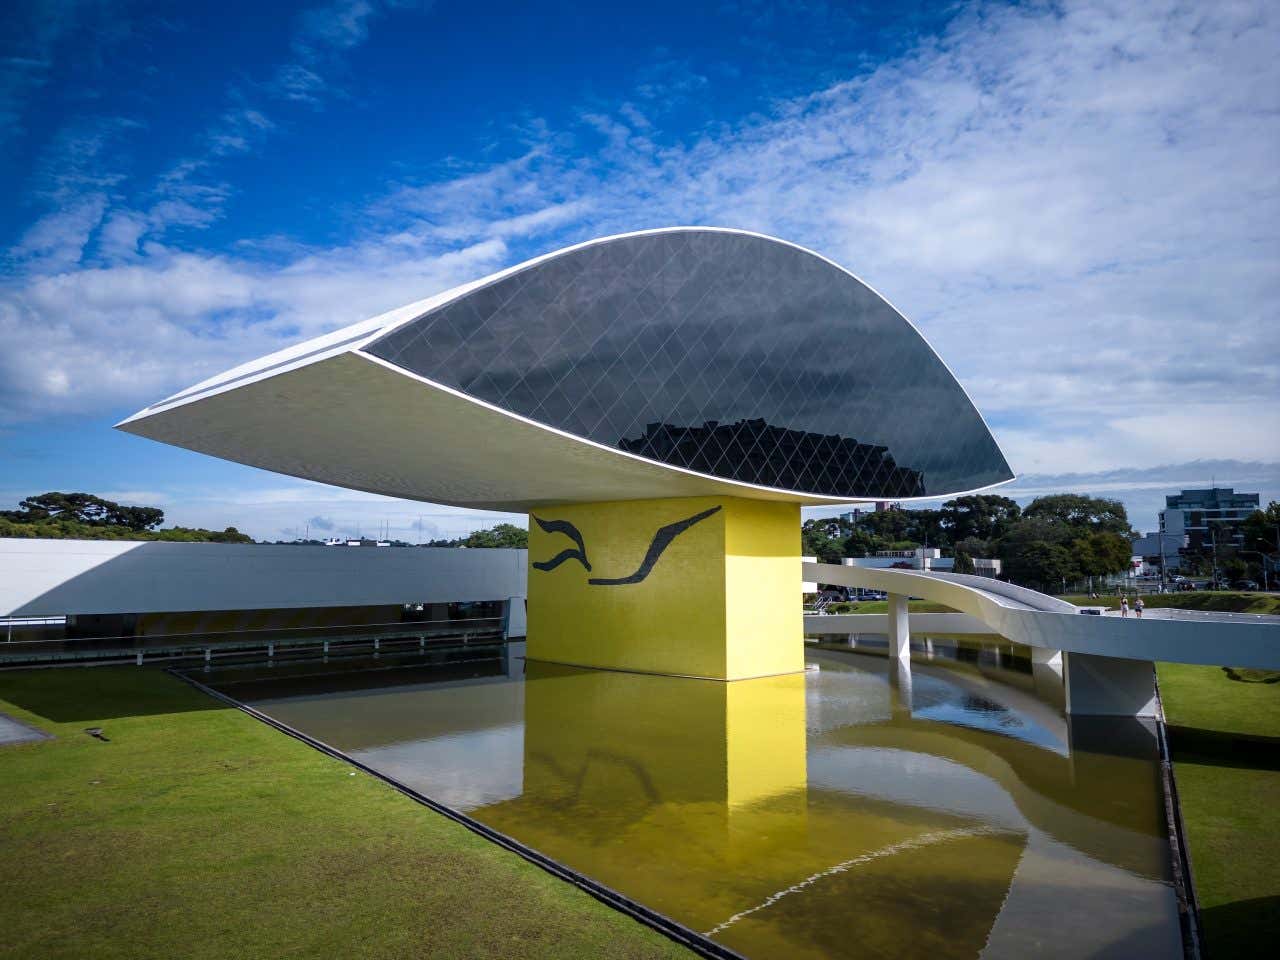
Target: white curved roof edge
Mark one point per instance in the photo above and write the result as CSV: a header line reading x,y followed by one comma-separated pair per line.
x,y
353,337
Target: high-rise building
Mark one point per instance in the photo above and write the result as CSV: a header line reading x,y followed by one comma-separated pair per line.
x,y
1206,516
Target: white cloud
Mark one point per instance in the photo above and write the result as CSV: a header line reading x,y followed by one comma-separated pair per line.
x,y
57,240
120,236
81,340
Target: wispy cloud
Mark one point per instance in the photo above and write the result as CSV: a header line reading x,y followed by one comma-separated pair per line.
x,y
57,241
26,58
320,39
194,190
237,129
333,26
293,81
77,341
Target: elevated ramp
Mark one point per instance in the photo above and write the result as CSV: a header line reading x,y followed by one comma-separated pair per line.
x,y
1107,662
1037,620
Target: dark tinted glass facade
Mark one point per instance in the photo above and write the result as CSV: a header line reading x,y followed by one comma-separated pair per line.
x,y
728,354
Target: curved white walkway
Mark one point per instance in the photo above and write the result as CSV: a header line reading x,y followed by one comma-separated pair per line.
x,y
1109,665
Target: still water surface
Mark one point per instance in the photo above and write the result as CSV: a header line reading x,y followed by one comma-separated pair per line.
x,y
846,812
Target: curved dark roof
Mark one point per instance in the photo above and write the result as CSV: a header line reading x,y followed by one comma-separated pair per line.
x,y
727,353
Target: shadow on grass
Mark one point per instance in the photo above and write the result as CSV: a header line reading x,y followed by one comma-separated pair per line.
x,y
80,694
1217,749
1245,928
1244,675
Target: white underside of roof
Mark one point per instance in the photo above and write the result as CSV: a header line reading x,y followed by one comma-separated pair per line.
x,y
359,422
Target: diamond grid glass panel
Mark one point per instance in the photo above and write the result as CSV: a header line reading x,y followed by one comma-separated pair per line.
x,y
730,354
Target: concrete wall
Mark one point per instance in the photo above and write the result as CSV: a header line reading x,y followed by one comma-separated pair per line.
x,y
57,577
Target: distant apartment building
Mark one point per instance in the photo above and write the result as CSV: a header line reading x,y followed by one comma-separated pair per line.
x,y
1201,517
858,513
1155,550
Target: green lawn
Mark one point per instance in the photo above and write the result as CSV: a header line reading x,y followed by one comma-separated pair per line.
x,y
1225,737
200,832
1224,601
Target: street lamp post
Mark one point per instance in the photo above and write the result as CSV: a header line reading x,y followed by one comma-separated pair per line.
x,y
1161,535
1213,542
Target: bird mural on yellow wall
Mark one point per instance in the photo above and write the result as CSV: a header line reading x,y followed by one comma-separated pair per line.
x,y
661,540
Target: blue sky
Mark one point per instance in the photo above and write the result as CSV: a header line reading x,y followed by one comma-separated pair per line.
x,y
1078,203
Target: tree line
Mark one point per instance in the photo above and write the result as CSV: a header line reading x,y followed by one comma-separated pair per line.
x,y
83,516
1057,539
1054,540
499,535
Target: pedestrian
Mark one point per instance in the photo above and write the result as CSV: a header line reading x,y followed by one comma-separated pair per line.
x,y
1124,606
1137,607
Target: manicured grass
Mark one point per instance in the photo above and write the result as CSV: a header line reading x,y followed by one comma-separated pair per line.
x,y
1225,738
1223,601
200,832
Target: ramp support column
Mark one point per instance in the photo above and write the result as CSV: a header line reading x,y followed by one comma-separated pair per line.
x,y
1109,686
899,628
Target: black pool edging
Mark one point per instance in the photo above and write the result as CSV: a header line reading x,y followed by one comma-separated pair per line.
x,y
1184,883
686,937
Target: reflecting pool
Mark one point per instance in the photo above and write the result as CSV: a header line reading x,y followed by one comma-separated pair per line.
x,y
846,812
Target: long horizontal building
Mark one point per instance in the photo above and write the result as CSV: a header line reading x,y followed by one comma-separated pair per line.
x,y
93,598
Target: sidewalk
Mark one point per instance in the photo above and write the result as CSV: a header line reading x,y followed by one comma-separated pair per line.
x,y
14,731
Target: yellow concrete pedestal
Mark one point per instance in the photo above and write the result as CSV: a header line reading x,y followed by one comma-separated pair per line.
x,y
702,587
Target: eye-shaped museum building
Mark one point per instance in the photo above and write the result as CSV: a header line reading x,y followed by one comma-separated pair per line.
x,y
661,402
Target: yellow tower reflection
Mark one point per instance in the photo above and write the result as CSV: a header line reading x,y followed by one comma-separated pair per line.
x,y
627,776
